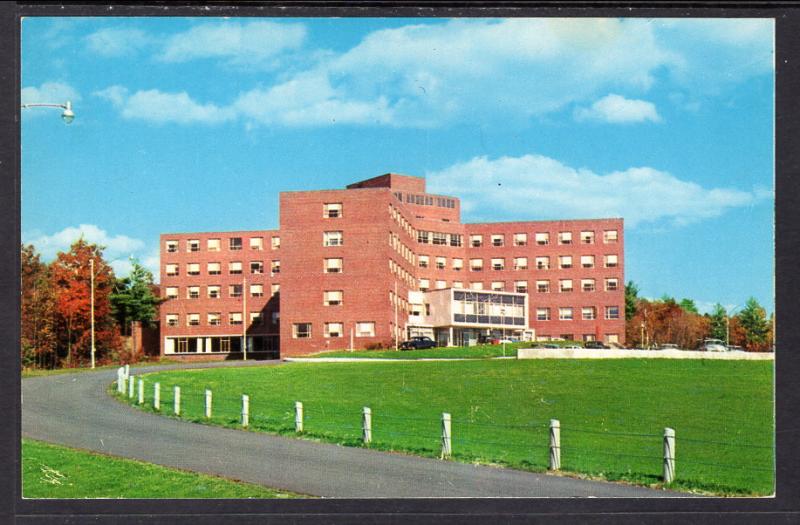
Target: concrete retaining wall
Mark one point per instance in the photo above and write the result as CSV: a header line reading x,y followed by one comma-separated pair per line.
x,y
587,353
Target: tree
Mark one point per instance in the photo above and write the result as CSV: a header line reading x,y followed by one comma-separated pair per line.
x,y
718,323
631,297
688,306
71,281
133,298
37,311
753,319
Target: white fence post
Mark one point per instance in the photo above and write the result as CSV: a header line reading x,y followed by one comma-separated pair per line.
x,y
127,372
298,416
245,410
157,396
141,391
367,425
131,380
447,443
669,455
555,444
208,404
177,401
120,380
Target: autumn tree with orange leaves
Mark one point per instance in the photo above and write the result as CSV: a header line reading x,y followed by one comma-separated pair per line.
x,y
37,310
71,282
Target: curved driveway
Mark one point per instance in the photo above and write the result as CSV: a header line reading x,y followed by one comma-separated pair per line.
x,y
75,410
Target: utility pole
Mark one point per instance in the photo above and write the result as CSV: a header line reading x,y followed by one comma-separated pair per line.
x,y
91,280
244,317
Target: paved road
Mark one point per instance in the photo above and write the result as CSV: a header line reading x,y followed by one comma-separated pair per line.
x,y
74,410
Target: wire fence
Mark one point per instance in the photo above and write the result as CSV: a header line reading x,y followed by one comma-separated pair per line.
x,y
532,444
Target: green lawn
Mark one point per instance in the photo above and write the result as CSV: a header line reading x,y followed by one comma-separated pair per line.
x,y
475,352
51,471
612,412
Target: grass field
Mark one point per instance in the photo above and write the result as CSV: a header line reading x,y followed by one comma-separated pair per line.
x,y
457,352
612,412
51,471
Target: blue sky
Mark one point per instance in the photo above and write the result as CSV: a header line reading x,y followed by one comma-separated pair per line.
x,y
196,124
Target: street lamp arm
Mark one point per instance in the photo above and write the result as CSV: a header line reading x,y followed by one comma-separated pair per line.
x,y
37,105
68,115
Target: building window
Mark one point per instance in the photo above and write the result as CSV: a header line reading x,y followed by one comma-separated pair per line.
x,y
455,239
193,292
587,261
498,264
520,239
565,261
214,268
543,263
588,337
214,319
256,319
256,267
235,243
333,330
458,284
611,261
587,237
612,285
587,285
235,290
275,289
588,313
458,264
333,266
214,291
441,262
565,285
256,290
612,338
476,241
172,269
476,265
257,243
565,314
520,263
235,318
332,238
172,246
612,312
275,266
565,238
521,286
423,237
542,314
424,284
332,297
498,286
193,319
542,238
235,268
440,285
423,261
193,245
439,239
610,236
193,269
542,286
476,285
365,329
498,240
332,210
276,243
171,292
172,319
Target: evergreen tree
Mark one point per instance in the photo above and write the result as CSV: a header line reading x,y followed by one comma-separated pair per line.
x,y
718,322
688,306
631,298
753,319
133,298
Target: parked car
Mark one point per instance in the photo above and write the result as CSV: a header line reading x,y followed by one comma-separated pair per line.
x,y
418,342
713,345
594,344
668,346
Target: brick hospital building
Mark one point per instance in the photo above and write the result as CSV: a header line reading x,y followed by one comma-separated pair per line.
x,y
384,260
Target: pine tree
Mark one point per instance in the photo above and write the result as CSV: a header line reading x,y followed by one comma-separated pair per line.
x,y
688,306
631,297
753,319
133,298
718,322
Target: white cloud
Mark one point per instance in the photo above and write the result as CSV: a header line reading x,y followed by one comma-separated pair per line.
x,y
241,43
117,41
49,92
617,109
546,188
116,245
159,107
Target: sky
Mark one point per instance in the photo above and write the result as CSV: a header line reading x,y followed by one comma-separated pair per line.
x,y
197,124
